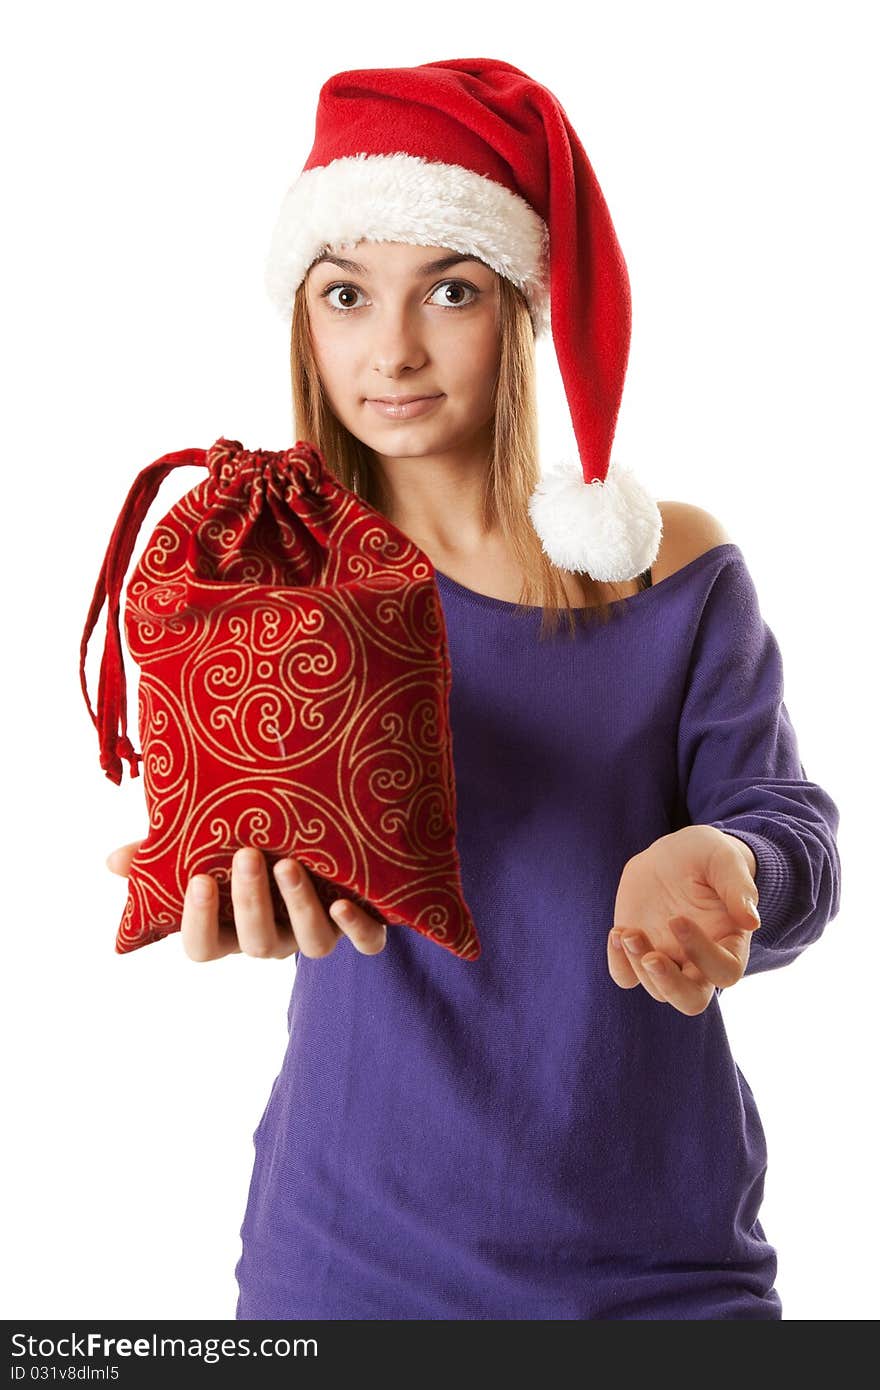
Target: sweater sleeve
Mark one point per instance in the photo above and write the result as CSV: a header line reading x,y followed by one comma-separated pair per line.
x,y
740,770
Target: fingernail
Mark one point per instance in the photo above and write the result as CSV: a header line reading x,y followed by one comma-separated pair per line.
x,y
249,862
288,871
750,904
615,940
341,912
631,941
201,890
655,966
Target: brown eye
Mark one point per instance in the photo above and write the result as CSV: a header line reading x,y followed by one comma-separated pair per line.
x,y
349,290
456,285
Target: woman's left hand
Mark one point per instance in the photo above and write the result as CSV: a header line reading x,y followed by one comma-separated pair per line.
x,y
684,902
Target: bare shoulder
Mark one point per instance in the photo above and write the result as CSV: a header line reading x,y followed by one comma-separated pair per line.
x,y
688,532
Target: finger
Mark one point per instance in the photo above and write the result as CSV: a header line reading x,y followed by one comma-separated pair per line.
x,y
732,875
366,934
316,934
258,933
721,964
740,897
619,967
688,995
684,987
118,861
635,945
202,936
744,909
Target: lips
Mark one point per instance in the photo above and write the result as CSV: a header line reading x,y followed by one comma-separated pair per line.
x,y
403,400
403,407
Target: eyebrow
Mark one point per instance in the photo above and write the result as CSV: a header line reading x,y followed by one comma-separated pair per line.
x,y
429,268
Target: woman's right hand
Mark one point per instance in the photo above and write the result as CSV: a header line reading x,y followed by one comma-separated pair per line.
x,y
256,933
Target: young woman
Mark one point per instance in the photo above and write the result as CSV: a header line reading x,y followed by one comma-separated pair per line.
x,y
558,1129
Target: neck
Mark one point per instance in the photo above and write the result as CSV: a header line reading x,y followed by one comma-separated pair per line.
x,y
436,501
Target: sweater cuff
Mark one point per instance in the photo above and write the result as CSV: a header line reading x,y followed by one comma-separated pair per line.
x,y
772,880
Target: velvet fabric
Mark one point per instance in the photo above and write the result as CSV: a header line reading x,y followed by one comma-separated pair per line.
x,y
293,695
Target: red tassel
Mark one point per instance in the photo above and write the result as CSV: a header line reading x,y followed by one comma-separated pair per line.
x,y
110,720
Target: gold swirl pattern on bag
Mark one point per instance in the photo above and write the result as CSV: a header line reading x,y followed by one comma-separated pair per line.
x,y
293,696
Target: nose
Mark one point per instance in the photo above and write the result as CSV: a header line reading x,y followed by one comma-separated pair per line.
x,y
398,343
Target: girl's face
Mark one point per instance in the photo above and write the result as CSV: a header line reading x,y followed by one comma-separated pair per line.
x,y
403,320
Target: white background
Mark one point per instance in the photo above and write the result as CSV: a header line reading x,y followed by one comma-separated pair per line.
x,y
146,153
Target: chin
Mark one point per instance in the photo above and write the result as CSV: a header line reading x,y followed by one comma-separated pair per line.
x,y
393,449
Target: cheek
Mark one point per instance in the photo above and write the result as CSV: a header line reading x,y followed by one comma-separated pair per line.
x,y
471,357
334,363
327,349
479,367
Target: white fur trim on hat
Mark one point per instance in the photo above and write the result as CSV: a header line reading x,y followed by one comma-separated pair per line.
x,y
402,197
610,530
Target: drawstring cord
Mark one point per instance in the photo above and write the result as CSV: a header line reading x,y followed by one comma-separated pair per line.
x,y
110,720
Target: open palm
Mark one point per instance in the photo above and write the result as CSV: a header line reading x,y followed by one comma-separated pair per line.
x,y
684,900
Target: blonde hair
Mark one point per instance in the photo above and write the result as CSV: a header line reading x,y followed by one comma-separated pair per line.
x,y
513,466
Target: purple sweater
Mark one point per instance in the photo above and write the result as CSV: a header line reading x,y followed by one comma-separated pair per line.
x,y
518,1137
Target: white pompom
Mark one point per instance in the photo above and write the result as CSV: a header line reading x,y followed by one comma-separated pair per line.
x,y
610,530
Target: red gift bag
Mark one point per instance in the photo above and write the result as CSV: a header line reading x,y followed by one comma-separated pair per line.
x,y
293,695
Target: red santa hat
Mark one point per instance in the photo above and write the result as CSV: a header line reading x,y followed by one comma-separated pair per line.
x,y
475,155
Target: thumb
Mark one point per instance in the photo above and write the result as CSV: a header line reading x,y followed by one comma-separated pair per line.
x,y
730,874
118,861
741,897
